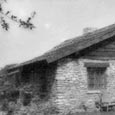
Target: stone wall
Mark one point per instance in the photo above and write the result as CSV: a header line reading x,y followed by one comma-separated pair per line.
x,y
70,86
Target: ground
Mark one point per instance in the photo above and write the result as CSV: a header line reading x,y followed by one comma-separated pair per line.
x,y
94,113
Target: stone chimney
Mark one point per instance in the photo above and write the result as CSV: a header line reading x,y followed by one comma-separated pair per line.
x,y
88,30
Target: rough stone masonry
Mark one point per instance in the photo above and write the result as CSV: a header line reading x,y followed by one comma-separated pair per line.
x,y
71,84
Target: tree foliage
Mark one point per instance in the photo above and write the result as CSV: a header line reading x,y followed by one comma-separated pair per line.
x,y
27,24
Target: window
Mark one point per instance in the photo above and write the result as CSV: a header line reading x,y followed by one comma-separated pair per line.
x,y
96,77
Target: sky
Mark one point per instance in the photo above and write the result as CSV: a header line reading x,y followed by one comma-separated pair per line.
x,y
55,21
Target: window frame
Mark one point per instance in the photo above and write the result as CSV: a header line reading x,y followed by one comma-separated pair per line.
x,y
104,75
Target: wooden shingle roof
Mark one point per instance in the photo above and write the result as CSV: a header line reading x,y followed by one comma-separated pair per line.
x,y
73,45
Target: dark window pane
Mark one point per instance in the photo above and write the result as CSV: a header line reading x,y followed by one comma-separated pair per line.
x,y
96,77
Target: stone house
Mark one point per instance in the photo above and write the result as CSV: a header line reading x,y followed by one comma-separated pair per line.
x,y
78,69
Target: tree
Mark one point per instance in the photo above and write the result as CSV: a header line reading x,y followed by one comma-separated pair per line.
x,y
5,25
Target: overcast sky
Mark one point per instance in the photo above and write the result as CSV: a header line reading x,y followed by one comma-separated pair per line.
x,y
56,21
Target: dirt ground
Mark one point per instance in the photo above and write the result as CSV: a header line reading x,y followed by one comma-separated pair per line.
x,y
94,113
